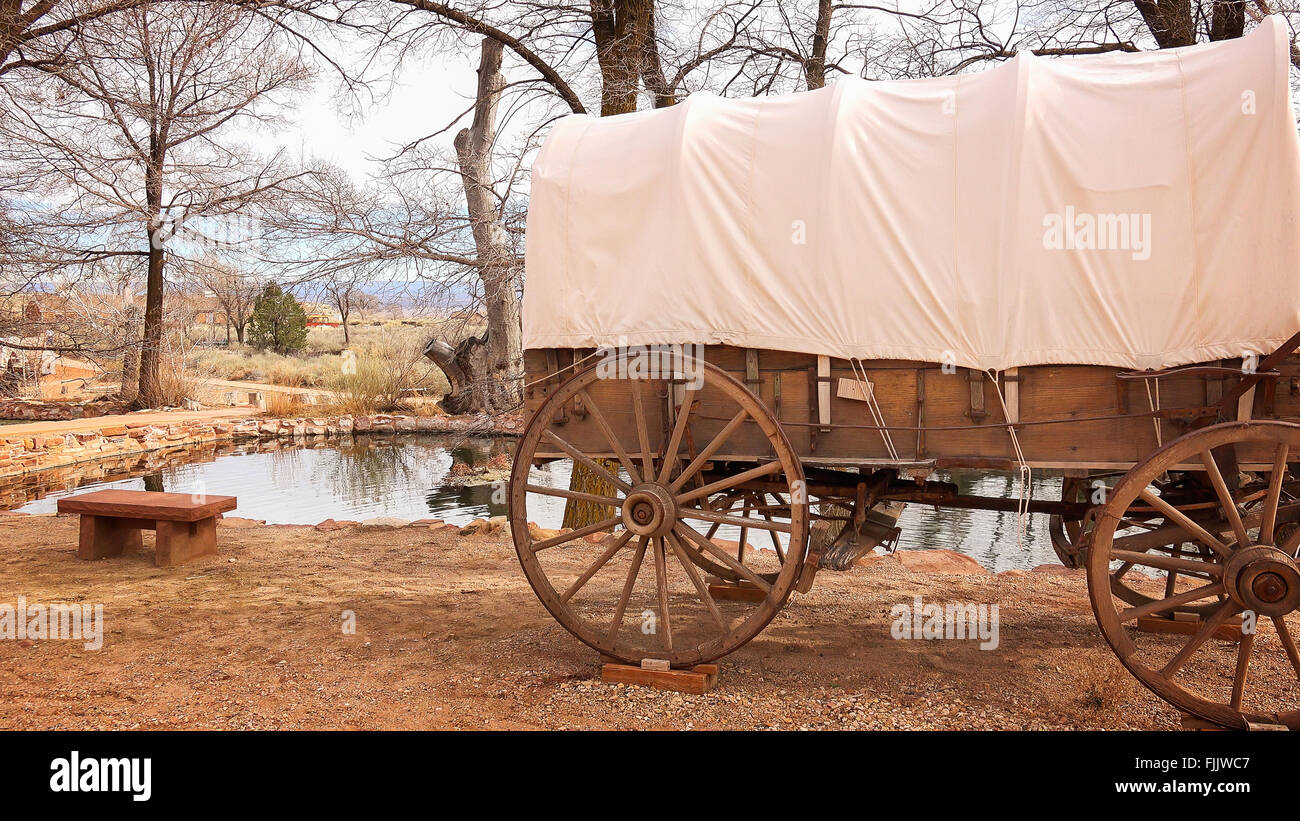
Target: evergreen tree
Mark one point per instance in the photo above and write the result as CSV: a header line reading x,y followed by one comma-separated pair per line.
x,y
278,322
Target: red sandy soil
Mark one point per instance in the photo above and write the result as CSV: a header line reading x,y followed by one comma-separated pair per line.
x,y
449,635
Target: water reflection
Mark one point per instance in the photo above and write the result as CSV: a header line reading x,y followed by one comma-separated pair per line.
x,y
989,537
409,478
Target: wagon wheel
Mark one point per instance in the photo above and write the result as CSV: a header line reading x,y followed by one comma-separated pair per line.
x,y
1067,534
745,504
1070,538
640,593
1225,560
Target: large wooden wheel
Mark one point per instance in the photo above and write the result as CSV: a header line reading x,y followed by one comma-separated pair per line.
x,y
1067,534
1228,563
644,590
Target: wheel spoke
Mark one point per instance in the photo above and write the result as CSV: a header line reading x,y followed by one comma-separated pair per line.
x,y
1164,562
1161,605
586,460
661,584
1288,643
709,449
1244,649
642,434
607,501
1274,497
596,566
604,524
1226,501
617,446
723,519
1181,519
1208,627
1171,583
727,483
675,442
700,588
776,540
623,598
682,529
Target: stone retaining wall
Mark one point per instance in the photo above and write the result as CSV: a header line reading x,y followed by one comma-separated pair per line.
x,y
56,411
40,451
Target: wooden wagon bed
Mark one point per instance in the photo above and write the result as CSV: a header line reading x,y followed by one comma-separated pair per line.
x,y
1069,417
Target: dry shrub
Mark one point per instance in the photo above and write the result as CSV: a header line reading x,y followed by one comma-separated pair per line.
x,y
282,404
176,382
288,373
371,388
386,366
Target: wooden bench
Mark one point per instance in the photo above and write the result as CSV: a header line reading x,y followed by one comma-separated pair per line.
x,y
111,521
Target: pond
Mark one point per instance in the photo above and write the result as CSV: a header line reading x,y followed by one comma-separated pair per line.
x,y
412,478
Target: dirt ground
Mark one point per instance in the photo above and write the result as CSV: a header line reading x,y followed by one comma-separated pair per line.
x,y
449,635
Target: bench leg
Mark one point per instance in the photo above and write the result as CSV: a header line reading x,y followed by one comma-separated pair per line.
x,y
104,536
180,542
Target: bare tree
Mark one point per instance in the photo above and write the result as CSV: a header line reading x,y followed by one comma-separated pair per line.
x,y
130,147
232,289
344,288
499,362
33,32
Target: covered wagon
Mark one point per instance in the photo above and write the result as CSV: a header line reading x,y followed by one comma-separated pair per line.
x,y
785,316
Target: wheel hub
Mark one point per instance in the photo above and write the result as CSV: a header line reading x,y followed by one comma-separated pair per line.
x,y
649,510
1263,579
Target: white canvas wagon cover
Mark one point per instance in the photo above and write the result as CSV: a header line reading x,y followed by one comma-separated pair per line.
x,y
1132,210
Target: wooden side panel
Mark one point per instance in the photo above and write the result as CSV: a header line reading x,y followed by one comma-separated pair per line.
x,y
1068,396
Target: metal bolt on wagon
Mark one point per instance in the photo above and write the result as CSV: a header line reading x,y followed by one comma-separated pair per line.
x,y
783,316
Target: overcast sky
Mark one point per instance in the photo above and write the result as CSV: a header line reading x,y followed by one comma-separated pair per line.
x,y
424,99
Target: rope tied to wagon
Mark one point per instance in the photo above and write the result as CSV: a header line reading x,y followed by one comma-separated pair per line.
x,y
1154,402
1026,474
571,366
877,415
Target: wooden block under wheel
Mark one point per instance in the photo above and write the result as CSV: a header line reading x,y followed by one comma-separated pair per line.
x,y
699,680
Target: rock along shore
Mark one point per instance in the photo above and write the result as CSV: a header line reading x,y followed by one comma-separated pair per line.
x,y
35,451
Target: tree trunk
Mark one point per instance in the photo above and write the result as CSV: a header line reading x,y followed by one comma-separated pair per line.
x,y
1169,21
623,30
1228,20
151,345
130,353
815,67
490,368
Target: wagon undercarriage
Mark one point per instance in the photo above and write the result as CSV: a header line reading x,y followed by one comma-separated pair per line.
x,y
1188,525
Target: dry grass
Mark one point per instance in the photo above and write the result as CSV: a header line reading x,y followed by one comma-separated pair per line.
x,y
243,363
384,367
282,404
1106,687
320,364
